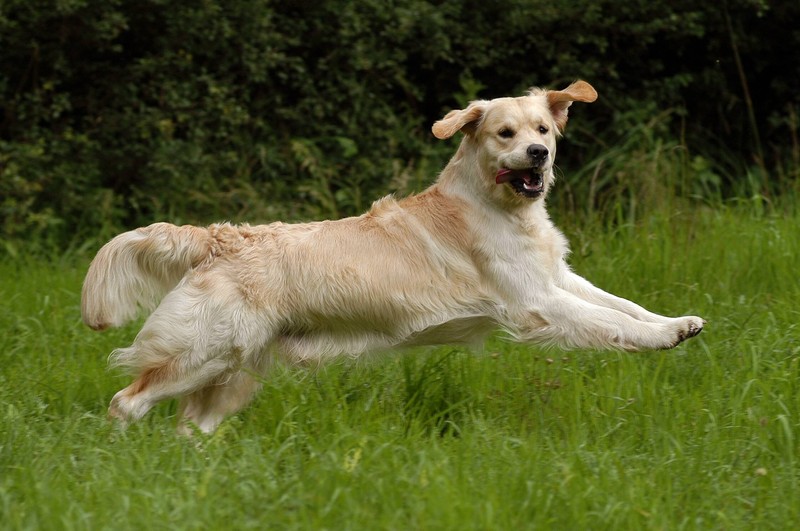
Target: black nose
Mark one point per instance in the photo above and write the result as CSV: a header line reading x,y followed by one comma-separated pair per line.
x,y
537,152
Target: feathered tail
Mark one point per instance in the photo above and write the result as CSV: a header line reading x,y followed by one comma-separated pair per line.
x,y
137,268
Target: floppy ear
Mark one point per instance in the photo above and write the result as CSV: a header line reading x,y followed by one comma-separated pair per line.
x,y
560,100
459,120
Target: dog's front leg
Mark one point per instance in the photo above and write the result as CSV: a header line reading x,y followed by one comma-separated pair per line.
x,y
560,317
582,288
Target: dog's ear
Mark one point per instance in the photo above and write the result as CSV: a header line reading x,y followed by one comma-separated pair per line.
x,y
560,100
459,120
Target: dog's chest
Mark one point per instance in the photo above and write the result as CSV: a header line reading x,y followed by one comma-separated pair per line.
x,y
523,258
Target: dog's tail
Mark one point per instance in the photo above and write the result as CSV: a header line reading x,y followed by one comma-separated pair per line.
x,y
137,268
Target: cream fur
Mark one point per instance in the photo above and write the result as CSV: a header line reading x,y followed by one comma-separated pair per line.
x,y
463,258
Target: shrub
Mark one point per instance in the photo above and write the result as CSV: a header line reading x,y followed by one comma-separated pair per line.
x,y
118,113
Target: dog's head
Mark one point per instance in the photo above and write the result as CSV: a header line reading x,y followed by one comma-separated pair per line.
x,y
514,139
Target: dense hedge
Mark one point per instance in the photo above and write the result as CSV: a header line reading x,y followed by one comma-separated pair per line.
x,y
119,112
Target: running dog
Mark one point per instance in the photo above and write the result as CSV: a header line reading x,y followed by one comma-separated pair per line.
x,y
473,253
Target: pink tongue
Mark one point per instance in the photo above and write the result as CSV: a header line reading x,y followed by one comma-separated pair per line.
x,y
503,176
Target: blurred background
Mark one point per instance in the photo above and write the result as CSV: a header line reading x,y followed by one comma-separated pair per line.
x,y
118,113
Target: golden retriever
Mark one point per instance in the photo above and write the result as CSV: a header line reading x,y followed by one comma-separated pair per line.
x,y
473,253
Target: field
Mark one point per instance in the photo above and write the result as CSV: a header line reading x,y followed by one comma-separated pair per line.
x,y
706,436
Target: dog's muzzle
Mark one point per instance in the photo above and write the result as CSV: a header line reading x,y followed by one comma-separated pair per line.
x,y
528,182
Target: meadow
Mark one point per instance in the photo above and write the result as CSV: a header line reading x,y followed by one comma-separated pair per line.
x,y
506,436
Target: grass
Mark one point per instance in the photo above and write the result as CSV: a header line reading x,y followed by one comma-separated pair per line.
x,y
513,437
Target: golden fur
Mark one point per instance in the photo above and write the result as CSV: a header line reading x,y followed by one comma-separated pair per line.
x,y
474,252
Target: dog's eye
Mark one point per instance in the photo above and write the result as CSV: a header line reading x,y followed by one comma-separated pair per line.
x,y
543,129
506,133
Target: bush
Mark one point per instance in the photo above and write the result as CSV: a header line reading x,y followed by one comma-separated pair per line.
x,y
118,113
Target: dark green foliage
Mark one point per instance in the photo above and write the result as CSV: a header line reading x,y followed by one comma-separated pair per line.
x,y
119,113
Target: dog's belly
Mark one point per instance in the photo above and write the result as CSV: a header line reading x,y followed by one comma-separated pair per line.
x,y
318,345
463,330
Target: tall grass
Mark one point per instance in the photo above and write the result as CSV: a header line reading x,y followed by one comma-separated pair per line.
x,y
509,437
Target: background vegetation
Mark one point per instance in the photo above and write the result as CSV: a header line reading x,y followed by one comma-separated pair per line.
x,y
118,113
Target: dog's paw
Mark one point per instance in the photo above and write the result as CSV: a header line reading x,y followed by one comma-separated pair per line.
x,y
688,327
117,411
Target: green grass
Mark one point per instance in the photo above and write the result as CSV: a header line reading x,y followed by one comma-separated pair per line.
x,y
701,437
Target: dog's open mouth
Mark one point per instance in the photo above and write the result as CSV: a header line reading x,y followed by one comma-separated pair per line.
x,y
527,182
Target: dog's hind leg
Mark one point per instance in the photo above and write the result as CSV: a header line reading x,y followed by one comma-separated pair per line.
x,y
174,377
190,342
206,408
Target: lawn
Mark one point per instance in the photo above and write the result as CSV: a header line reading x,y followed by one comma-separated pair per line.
x,y
704,436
